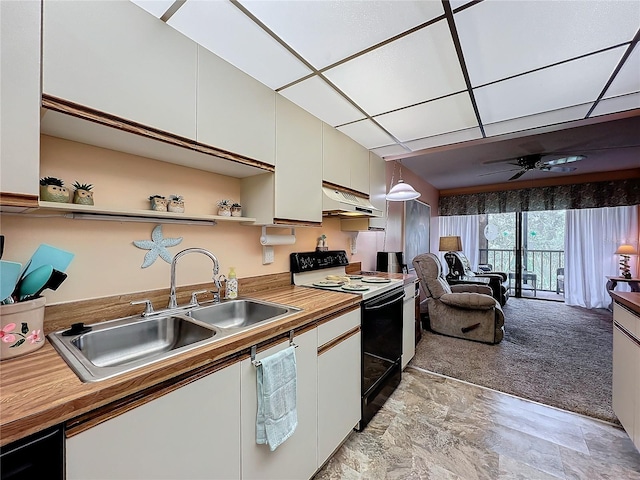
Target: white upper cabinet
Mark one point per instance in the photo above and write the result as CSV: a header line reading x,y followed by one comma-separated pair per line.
x,y
20,104
293,194
116,58
378,190
235,112
344,162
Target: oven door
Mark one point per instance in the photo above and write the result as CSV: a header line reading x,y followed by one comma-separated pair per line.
x,y
381,350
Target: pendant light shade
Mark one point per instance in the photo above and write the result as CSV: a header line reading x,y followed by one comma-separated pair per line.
x,y
401,192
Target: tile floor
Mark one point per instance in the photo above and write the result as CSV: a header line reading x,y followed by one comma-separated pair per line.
x,y
438,428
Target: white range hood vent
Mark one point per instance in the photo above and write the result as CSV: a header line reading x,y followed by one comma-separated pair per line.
x,y
338,203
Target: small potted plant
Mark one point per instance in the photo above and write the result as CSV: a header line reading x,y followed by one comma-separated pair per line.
x,y
224,208
176,204
53,190
83,194
158,203
236,210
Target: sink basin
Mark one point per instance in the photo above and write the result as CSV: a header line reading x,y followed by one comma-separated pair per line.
x,y
119,346
240,314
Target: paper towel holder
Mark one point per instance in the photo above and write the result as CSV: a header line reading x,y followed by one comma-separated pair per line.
x,y
267,242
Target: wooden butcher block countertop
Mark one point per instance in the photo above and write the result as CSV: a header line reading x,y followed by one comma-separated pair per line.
x,y
39,390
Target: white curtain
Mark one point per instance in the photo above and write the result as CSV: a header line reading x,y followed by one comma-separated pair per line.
x,y
466,227
591,237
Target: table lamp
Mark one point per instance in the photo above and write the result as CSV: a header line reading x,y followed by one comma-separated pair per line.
x,y
451,244
625,251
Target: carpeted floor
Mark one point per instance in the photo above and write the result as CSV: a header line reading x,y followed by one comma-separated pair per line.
x,y
551,353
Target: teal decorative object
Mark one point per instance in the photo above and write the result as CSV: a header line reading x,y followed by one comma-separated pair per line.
x,y
157,247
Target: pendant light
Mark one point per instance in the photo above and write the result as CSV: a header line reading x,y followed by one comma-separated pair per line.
x,y
401,192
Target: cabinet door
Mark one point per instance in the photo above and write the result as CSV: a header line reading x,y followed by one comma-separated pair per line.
x,y
359,167
336,166
116,58
235,112
298,177
377,189
296,457
20,105
626,358
192,432
338,394
408,325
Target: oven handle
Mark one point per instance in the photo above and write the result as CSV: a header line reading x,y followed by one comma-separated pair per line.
x,y
394,300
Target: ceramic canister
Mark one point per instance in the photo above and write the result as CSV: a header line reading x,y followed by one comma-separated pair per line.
x,y
21,327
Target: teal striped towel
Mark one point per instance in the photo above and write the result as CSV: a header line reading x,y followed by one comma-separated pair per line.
x,y
277,417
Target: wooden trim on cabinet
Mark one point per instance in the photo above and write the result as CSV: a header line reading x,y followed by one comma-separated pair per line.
x,y
86,113
332,343
295,223
627,333
18,200
340,188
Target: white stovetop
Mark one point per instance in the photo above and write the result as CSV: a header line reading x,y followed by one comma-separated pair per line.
x,y
310,279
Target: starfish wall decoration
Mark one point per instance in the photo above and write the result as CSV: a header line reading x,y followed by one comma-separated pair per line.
x,y
157,247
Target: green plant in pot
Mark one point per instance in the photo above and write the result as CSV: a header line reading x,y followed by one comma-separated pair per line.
x,y
83,194
53,190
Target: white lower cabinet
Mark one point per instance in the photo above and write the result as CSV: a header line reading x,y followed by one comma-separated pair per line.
x,y
408,324
339,359
296,457
190,433
626,370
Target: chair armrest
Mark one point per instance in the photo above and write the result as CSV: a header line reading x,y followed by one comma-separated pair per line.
x,y
469,301
499,275
471,288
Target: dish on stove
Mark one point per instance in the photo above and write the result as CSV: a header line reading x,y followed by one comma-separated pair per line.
x,y
354,277
375,280
355,288
328,283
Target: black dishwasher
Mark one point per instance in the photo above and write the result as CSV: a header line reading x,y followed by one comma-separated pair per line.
x,y
38,456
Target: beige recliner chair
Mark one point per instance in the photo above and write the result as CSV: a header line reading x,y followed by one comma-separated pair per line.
x,y
464,311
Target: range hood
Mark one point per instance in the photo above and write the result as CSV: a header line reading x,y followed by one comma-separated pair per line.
x,y
342,204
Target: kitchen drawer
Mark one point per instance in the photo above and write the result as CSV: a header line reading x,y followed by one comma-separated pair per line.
x,y
625,317
333,329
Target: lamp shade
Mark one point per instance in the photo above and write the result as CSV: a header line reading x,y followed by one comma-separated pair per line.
x,y
401,192
626,250
450,244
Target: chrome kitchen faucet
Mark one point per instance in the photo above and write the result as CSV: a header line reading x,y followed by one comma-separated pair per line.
x,y
173,303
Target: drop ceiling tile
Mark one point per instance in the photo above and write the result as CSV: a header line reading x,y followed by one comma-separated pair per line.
x,y
628,78
324,32
319,99
415,68
154,7
431,118
445,139
572,83
226,31
390,150
501,38
617,104
366,133
539,120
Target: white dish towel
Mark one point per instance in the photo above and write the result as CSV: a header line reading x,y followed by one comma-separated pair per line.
x,y
277,417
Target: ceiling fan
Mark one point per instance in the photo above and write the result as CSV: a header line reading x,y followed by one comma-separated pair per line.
x,y
536,161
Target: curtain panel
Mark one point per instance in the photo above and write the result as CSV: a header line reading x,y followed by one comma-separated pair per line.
x,y
561,197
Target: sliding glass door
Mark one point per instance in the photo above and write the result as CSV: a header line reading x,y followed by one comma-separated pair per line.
x,y
529,246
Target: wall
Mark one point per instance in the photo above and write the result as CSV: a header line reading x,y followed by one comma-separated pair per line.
x,y
107,262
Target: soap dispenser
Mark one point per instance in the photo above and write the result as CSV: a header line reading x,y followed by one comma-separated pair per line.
x,y
232,284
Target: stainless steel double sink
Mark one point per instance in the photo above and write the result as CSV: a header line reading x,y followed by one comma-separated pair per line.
x,y
111,348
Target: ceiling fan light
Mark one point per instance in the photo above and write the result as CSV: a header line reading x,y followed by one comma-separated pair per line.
x,y
401,192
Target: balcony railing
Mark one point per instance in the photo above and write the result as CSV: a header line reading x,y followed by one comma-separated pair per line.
x,y
543,263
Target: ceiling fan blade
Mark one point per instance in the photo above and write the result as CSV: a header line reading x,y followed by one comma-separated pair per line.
x,y
501,171
563,160
518,175
553,168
